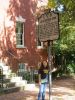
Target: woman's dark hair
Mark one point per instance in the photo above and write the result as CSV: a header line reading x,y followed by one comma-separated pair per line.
x,y
42,66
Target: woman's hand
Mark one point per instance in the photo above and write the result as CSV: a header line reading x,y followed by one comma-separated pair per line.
x,y
39,79
39,83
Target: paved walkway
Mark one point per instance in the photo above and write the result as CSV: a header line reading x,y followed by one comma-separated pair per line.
x,y
62,89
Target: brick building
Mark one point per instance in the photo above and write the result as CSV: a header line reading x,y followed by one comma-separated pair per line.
x,y
18,42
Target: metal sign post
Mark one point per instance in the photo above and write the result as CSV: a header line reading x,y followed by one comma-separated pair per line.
x,y
50,67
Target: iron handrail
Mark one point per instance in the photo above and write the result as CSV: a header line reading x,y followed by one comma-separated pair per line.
x,y
1,76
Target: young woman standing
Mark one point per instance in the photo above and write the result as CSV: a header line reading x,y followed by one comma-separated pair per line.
x,y
43,79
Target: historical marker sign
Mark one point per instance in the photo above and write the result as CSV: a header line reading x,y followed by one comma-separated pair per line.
x,y
48,26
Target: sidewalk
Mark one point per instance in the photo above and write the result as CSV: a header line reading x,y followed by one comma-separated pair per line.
x,y
62,89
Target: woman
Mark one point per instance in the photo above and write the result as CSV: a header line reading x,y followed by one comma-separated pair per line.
x,y
43,80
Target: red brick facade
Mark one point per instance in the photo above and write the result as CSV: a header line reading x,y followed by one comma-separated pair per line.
x,y
9,53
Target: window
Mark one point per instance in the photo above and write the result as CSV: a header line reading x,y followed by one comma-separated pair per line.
x,y
39,44
19,33
20,21
22,67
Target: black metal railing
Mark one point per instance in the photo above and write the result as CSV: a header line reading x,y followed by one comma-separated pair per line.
x,y
1,77
30,76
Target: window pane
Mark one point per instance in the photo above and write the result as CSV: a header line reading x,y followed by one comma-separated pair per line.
x,y
19,39
39,43
19,33
21,66
19,27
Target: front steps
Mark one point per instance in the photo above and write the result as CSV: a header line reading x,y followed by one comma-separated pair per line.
x,y
10,82
9,87
11,90
19,81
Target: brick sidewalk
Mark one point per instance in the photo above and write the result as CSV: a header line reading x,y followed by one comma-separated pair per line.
x,y
19,96
61,90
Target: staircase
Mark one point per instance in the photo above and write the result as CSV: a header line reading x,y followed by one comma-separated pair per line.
x,y
10,82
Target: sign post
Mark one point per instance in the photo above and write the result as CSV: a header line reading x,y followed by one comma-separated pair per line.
x,y
48,30
50,67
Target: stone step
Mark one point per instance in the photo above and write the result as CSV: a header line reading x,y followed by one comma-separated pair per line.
x,y
11,90
11,85
4,67
7,85
16,79
21,83
7,73
2,76
6,80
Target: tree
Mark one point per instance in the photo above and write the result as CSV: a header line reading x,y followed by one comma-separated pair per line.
x,y
52,3
66,44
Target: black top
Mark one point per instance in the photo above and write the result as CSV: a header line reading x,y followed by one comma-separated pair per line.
x,y
43,72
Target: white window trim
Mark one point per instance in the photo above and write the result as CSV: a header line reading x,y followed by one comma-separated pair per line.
x,y
21,19
40,46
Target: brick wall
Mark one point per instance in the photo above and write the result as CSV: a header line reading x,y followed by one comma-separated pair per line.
x,y
9,54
